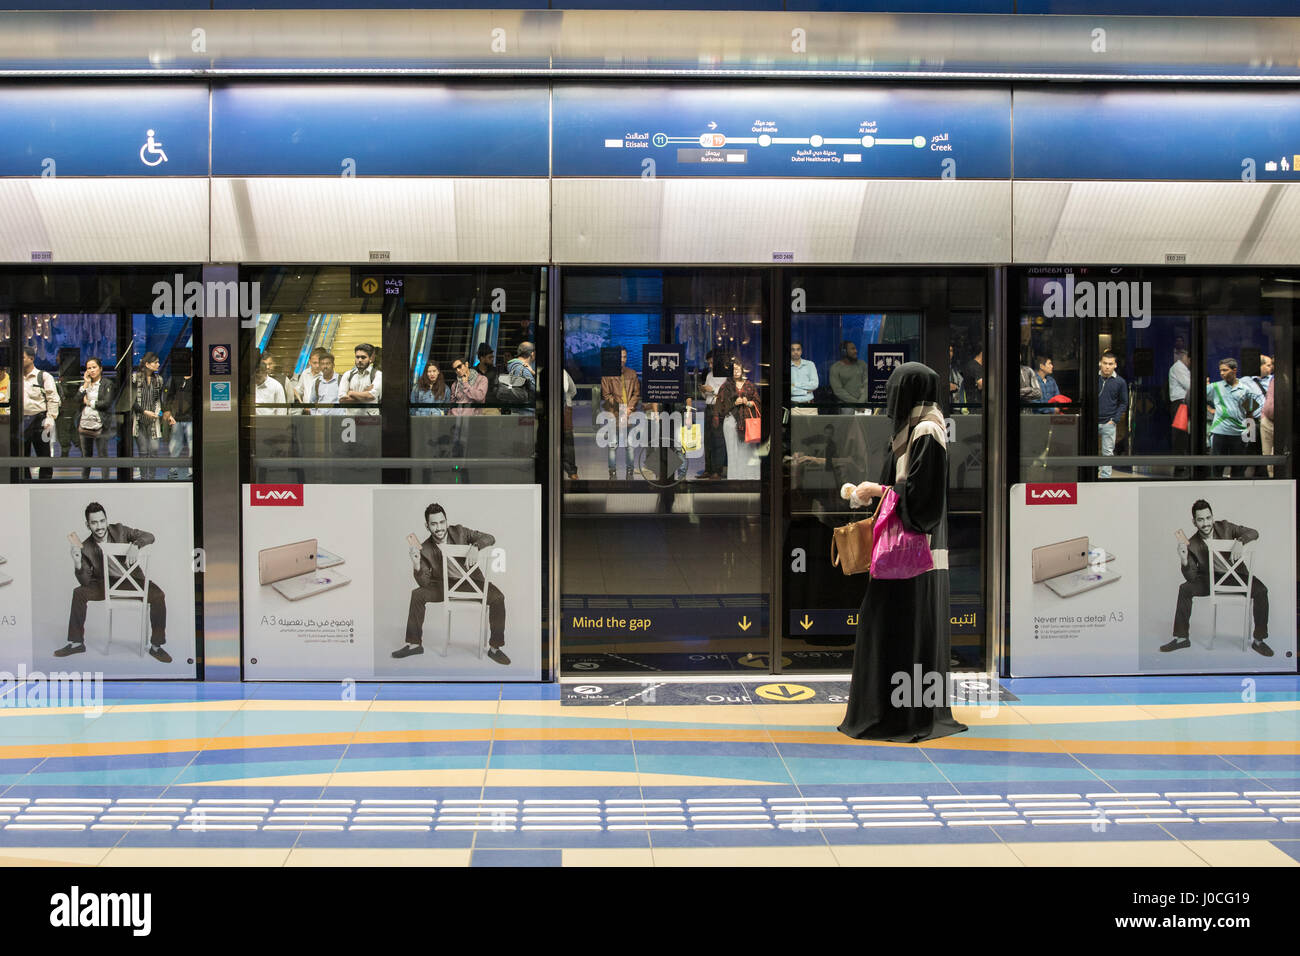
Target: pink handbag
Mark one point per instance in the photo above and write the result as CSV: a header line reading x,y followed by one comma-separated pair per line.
x,y
897,553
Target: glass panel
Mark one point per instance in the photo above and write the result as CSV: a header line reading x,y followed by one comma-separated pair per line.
x,y
664,537
837,434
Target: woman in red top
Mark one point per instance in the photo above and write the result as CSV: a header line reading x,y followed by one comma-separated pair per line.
x,y
738,400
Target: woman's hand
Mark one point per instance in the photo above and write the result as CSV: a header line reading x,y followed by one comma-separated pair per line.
x,y
863,493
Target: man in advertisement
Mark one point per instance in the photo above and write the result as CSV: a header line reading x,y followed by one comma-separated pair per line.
x,y
426,560
1195,558
88,566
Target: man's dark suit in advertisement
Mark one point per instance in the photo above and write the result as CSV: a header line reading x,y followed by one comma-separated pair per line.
x,y
90,580
429,579
1196,574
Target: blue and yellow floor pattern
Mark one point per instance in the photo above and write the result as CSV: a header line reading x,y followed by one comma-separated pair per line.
x,y
1195,771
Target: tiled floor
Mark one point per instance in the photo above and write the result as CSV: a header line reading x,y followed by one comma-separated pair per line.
x,y
1104,772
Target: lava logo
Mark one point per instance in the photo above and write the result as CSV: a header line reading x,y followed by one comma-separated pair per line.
x,y
1061,494
282,495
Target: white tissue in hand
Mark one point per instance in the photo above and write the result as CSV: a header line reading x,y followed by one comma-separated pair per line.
x,y
846,490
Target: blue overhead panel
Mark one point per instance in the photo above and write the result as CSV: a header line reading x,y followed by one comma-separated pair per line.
x,y
329,129
108,129
859,133
1176,135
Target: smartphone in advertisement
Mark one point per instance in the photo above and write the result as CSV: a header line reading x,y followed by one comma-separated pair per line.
x,y
286,561
412,540
73,539
1182,538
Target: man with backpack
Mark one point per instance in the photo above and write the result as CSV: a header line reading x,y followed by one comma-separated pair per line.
x,y
518,385
40,410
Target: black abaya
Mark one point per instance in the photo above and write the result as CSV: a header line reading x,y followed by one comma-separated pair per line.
x,y
901,662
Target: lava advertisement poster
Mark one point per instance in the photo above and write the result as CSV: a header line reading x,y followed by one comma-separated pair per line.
x,y
98,579
386,582
1153,578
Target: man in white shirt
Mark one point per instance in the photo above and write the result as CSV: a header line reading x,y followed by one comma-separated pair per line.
x,y
1180,382
306,378
40,409
325,388
270,398
363,383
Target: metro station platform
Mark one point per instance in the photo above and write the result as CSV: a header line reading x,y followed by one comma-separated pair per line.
x,y
1180,771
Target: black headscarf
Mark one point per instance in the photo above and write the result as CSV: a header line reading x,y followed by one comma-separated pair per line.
x,y
914,392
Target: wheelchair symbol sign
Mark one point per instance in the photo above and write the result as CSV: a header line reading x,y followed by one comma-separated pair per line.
x,y
151,153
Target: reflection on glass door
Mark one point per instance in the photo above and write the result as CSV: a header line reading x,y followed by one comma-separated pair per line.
x,y
665,445
857,327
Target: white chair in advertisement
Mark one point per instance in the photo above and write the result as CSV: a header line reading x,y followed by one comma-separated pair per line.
x,y
122,589
459,589
1231,580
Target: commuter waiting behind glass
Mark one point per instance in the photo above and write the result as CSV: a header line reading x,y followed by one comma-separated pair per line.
x,y
715,446
903,626
302,386
269,394
485,367
568,450
620,395
849,378
94,418
803,381
1195,563
40,411
325,385
149,390
430,392
1047,387
1234,405
179,415
737,402
1112,404
1266,382
1180,384
363,384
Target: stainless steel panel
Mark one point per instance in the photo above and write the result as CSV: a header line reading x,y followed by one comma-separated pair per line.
x,y
104,220
338,220
591,42
1139,223
704,222
221,505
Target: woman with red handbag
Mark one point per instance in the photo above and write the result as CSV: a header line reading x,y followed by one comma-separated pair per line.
x,y
901,663
739,411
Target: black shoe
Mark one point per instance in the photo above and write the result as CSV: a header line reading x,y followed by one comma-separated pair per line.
x,y
1177,644
1258,646
406,650
613,475
70,648
157,653
498,655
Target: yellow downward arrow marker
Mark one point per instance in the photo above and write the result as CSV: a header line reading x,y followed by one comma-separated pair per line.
x,y
745,623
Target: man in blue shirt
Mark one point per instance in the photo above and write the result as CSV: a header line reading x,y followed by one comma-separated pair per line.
x,y
803,381
1112,403
1046,384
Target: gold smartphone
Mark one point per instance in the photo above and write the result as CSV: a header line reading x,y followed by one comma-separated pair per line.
x,y
1064,557
286,561
412,540
73,539
1182,538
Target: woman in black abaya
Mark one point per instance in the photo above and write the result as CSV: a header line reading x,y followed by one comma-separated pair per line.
x,y
904,623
